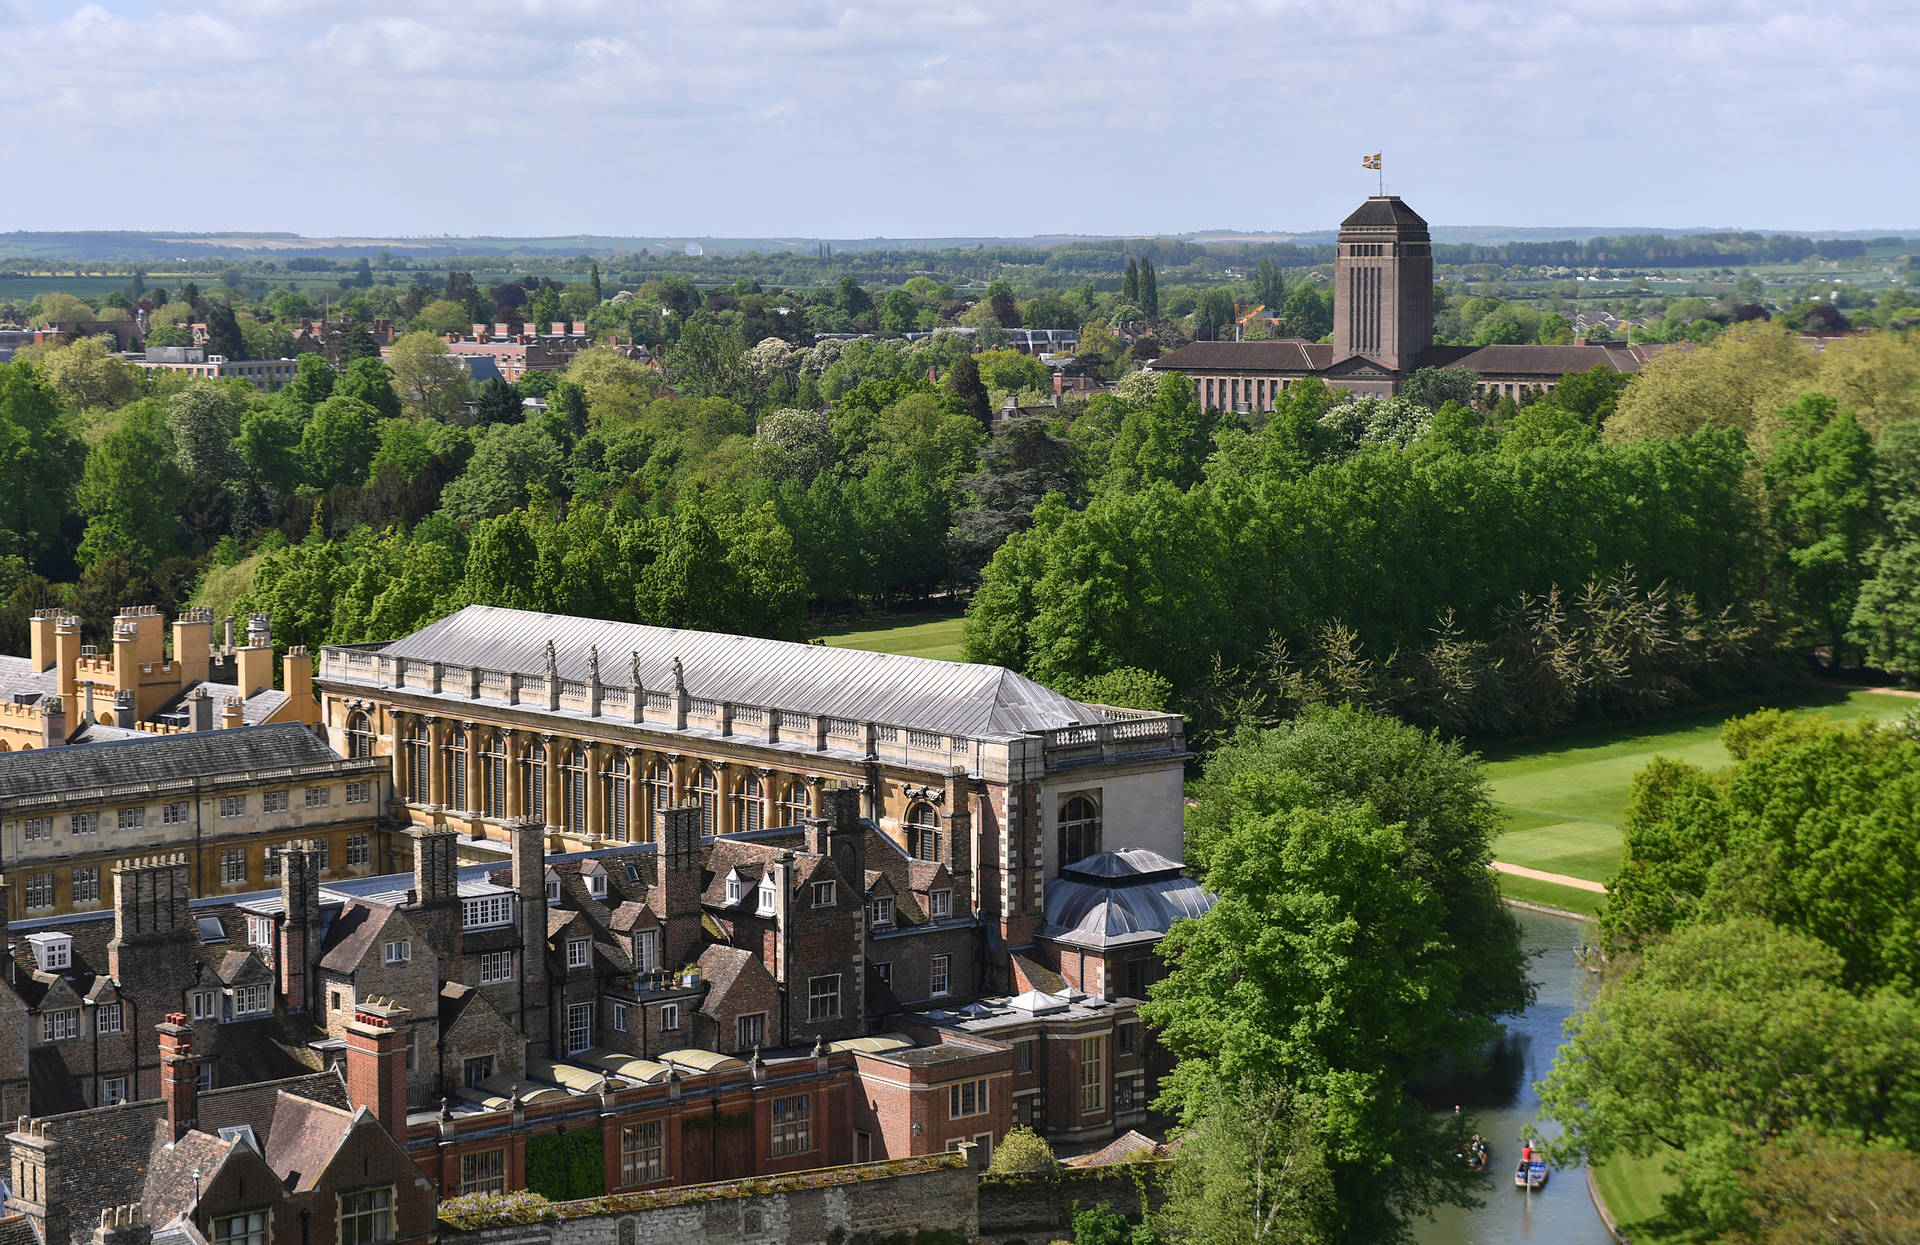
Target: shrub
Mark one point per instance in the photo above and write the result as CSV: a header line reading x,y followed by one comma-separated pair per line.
x,y
1023,1152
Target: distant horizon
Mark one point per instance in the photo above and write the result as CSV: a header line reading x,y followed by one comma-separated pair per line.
x,y
824,118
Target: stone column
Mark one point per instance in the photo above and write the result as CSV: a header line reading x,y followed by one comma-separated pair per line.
x,y
596,802
555,748
436,761
724,818
516,793
816,795
476,771
402,723
636,787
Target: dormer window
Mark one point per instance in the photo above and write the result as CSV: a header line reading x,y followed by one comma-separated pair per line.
x,y
577,952
597,885
733,888
53,952
942,905
883,910
766,896
488,910
553,890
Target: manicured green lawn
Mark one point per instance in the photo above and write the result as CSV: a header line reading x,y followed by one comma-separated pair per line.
x,y
1564,796
1586,903
1632,1189
916,635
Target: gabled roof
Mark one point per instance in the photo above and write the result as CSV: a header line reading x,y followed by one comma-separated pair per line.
x,y
943,697
154,758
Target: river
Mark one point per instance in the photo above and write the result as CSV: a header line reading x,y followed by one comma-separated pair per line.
x,y
1502,1102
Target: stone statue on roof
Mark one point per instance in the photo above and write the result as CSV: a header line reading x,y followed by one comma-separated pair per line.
x,y
593,663
634,667
553,667
679,677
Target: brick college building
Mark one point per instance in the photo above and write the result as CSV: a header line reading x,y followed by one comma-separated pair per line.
x,y
1382,331
796,907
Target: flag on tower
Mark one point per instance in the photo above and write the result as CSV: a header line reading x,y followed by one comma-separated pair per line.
x,y
1370,162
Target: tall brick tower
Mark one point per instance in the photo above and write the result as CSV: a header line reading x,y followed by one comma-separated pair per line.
x,y
1383,284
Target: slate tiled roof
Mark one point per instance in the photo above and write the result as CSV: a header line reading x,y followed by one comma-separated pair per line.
x,y
351,935
944,697
1384,212
128,1158
720,968
1547,362
157,758
1286,354
19,678
303,1137
18,1230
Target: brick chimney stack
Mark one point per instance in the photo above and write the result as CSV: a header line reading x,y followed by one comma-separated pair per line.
x,y
529,843
377,1063
957,829
35,1179
676,855
436,890
123,1225
300,926
151,929
179,1074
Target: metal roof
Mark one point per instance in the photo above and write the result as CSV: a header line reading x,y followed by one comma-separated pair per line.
x,y
1114,902
945,697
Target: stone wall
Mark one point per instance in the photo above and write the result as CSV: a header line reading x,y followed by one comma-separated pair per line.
x,y
823,1207
1031,1210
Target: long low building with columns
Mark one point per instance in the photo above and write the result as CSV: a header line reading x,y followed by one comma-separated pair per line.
x,y
592,726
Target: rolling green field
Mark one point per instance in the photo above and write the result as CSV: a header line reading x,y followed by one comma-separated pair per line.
x,y
1564,796
917,635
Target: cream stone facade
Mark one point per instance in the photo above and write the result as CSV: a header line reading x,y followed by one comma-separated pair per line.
x,y
64,690
593,727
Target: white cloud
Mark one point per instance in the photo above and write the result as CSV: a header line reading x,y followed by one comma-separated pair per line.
x,y
854,117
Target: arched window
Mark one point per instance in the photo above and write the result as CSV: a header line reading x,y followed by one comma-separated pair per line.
x,y
493,776
923,832
794,807
359,736
419,750
573,790
705,792
613,801
533,782
457,768
1079,829
749,810
659,793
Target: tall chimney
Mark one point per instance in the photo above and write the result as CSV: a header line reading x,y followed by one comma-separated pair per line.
x,y
255,668
123,1225
200,710
53,722
193,644
957,828
66,648
40,636
36,1181
436,888
676,856
296,675
232,713
300,927
377,1063
179,1074
529,868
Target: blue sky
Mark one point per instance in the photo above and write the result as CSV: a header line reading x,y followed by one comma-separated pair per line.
x,y
970,117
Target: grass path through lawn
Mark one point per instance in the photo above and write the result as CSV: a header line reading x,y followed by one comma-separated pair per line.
x,y
1564,796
